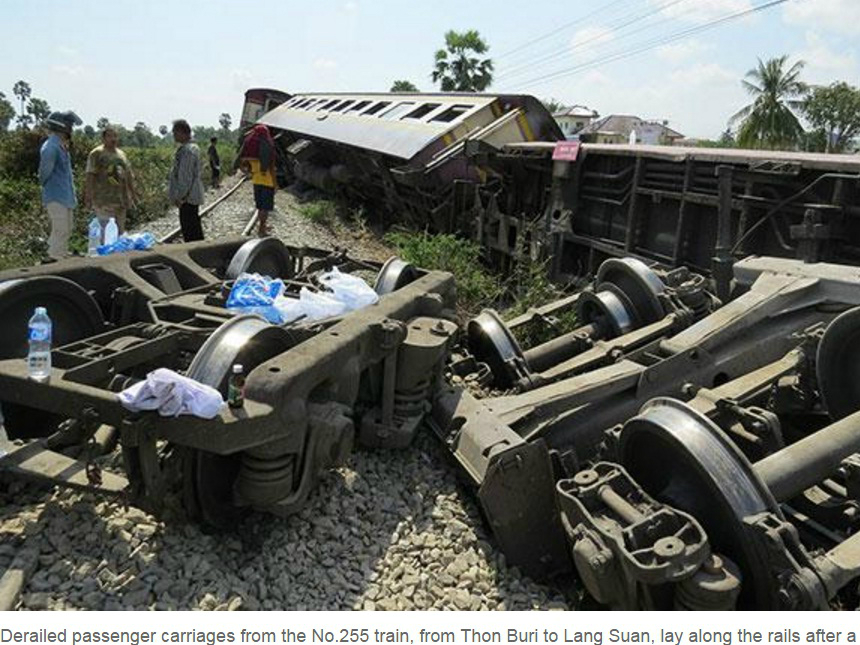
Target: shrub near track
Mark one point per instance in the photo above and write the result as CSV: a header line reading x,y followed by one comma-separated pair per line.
x,y
23,223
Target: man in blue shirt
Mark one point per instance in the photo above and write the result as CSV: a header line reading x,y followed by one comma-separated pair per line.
x,y
55,176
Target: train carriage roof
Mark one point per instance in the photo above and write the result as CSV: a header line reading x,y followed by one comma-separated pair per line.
x,y
396,124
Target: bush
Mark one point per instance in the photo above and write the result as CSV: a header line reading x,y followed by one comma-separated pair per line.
x,y
321,211
476,287
23,223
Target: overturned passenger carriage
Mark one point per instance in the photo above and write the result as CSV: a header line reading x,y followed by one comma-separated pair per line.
x,y
403,154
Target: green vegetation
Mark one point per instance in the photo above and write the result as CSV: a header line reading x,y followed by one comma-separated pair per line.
x,y
457,68
321,211
834,113
769,121
403,86
23,224
476,287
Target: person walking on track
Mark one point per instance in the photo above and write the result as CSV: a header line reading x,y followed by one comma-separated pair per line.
x,y
55,176
257,157
214,163
185,188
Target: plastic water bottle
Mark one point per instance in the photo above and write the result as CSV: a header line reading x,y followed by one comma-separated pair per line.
x,y
94,236
39,356
111,232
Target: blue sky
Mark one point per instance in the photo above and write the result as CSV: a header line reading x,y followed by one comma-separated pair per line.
x,y
155,61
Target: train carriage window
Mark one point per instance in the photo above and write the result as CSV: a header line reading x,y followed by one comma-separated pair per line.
x,y
452,113
329,105
376,108
342,105
359,106
397,110
422,110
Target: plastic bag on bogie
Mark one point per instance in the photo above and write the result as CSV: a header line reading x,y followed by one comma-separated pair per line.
x,y
128,242
254,293
351,290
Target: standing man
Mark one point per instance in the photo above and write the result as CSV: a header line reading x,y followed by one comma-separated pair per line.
x,y
214,163
257,157
109,189
185,188
55,176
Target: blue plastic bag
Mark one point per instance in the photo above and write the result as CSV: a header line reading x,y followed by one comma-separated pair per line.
x,y
255,293
134,242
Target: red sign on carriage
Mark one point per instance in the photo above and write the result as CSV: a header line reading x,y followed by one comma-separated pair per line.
x,y
565,151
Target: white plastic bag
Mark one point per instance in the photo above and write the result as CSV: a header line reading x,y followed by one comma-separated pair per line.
x,y
172,394
351,290
348,293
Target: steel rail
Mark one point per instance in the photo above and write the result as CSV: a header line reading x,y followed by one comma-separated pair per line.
x,y
176,232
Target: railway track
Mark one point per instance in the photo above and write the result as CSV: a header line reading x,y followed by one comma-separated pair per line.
x,y
176,232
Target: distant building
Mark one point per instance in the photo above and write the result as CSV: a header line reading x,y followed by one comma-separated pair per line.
x,y
620,128
571,120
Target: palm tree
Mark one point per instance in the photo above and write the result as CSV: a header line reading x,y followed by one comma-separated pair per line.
x,y
457,69
769,122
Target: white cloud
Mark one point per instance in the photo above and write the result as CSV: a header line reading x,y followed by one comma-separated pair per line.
x,y
820,57
707,74
700,11
588,38
839,16
681,52
325,63
696,99
241,79
69,70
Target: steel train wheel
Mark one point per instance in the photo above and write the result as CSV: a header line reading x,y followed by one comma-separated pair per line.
x,y
681,458
266,256
395,273
637,285
208,479
74,315
493,343
836,365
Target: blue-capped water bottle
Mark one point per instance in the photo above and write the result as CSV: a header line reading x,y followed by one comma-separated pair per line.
x,y
94,236
39,356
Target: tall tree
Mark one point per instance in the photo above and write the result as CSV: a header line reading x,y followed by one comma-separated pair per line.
x,y
403,86
7,113
552,105
225,121
22,90
835,110
102,123
458,67
163,130
769,121
38,109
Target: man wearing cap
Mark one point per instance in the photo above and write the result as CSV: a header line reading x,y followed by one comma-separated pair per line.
x,y
55,176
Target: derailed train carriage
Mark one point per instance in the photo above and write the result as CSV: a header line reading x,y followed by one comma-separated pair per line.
x,y
312,389
402,154
692,443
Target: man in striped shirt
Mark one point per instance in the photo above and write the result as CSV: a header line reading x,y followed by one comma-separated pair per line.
x,y
185,188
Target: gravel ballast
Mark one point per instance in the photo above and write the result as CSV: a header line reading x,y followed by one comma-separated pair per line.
x,y
391,530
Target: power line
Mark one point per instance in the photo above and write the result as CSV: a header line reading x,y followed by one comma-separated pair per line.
x,y
649,45
560,29
617,26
